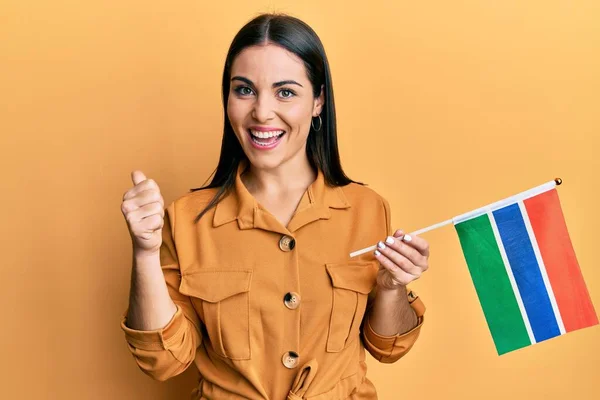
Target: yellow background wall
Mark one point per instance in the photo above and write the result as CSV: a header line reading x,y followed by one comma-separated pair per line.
x,y
443,107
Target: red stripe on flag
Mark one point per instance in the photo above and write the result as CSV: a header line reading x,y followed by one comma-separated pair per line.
x,y
550,229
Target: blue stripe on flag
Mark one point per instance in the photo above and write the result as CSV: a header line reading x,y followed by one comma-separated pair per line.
x,y
526,271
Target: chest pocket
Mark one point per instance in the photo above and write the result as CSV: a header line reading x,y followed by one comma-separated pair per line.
x,y
223,296
352,282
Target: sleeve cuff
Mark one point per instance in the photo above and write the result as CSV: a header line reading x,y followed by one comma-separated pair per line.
x,y
158,339
388,343
391,348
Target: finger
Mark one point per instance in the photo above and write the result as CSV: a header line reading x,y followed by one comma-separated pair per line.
x,y
149,224
148,184
397,273
148,227
399,233
155,208
153,222
401,260
137,177
148,196
143,198
146,211
414,241
405,249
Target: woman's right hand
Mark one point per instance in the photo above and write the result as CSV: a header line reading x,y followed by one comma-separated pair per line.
x,y
143,208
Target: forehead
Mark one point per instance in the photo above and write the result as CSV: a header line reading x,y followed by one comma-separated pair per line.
x,y
268,63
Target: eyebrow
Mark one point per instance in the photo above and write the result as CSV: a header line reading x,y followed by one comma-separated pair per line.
x,y
275,85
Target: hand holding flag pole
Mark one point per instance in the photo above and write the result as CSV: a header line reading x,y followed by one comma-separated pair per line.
x,y
545,186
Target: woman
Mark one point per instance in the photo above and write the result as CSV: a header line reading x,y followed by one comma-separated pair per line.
x,y
250,277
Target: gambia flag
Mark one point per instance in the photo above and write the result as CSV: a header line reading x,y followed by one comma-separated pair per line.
x,y
524,269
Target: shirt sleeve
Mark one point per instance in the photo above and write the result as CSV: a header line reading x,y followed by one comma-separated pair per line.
x,y
389,349
166,352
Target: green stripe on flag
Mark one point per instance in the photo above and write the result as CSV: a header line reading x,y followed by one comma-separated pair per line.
x,y
492,284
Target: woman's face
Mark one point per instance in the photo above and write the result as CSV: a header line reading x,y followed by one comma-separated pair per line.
x,y
271,105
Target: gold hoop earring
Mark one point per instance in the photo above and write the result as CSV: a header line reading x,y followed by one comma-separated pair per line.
x,y
320,123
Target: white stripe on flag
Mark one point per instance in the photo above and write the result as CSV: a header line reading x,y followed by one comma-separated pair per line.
x,y
511,277
540,261
503,203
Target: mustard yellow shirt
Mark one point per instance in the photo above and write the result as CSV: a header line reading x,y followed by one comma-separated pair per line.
x,y
266,311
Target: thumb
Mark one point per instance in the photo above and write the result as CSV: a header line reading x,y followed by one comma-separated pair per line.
x,y
137,177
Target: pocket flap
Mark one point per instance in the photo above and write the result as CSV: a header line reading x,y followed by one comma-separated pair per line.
x,y
215,284
359,276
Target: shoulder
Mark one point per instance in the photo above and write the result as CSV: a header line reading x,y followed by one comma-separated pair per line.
x,y
369,207
363,196
192,202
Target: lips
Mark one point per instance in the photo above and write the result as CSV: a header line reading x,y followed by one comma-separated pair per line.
x,y
265,140
266,134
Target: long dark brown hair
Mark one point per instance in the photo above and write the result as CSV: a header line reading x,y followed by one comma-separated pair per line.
x,y
321,148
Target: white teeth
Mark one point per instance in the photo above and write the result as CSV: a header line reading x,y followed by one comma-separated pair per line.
x,y
265,135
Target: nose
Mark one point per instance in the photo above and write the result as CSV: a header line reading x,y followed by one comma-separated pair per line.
x,y
264,109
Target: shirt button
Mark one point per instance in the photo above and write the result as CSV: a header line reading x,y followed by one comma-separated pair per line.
x,y
290,359
291,300
287,243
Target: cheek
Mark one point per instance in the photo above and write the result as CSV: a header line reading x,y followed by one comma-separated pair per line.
x,y
235,112
298,117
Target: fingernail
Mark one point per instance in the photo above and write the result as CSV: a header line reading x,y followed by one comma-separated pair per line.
x,y
377,253
381,245
407,238
398,232
389,240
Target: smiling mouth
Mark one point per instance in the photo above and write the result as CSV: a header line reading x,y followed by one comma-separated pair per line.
x,y
265,138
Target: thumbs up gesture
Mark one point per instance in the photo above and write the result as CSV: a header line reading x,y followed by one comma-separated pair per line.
x,y
143,208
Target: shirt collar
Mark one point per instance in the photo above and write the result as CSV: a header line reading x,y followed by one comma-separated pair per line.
x,y
315,204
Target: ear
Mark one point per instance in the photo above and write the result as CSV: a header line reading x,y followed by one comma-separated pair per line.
x,y
319,102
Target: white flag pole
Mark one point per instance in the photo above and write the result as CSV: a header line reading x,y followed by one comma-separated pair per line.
x,y
489,207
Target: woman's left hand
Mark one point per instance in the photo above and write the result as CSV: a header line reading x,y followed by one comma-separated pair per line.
x,y
402,261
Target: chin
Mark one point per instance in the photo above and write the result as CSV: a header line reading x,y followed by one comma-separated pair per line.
x,y
265,162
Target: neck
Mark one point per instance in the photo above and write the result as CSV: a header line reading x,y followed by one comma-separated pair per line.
x,y
294,174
